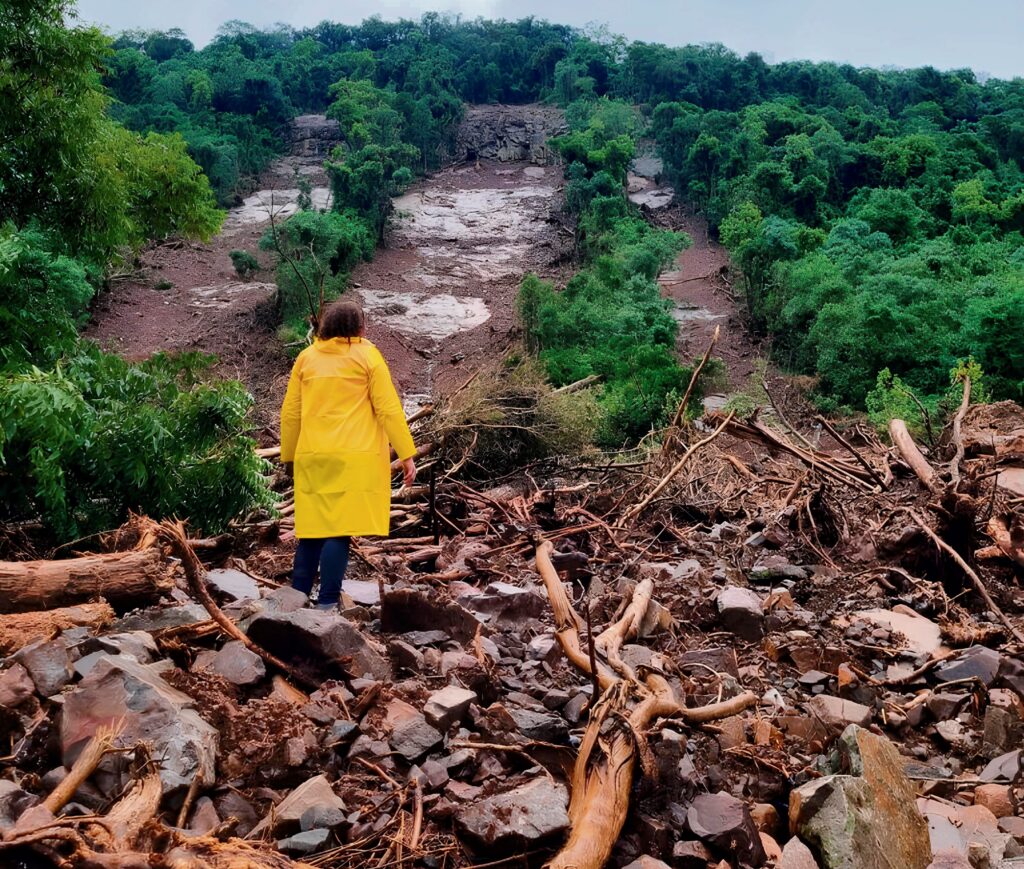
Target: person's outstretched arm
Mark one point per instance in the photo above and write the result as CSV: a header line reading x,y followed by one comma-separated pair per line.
x,y
291,414
388,409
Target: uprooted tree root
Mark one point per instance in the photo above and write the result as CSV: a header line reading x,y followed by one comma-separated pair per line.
x,y
602,778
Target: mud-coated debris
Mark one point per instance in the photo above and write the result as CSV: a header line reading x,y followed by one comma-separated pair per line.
x,y
740,613
286,817
977,662
319,636
16,686
448,706
234,662
835,712
414,609
842,817
233,585
796,855
13,801
119,689
305,842
412,735
691,854
522,817
725,822
48,664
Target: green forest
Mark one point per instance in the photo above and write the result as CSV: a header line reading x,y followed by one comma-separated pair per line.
x,y
876,217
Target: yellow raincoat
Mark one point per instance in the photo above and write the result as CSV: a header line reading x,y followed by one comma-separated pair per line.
x,y
339,414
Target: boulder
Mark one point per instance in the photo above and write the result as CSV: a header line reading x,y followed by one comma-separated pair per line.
x,y
725,822
234,662
740,613
119,689
516,819
865,820
286,817
319,636
448,706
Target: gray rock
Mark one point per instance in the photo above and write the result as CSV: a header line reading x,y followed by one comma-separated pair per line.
x,y
204,817
236,663
13,801
286,817
977,662
406,656
774,568
691,855
448,706
16,686
322,818
540,725
362,593
317,635
412,609
543,647
48,664
413,736
156,617
121,689
233,584
725,822
505,603
740,613
1002,768
1003,730
284,600
520,818
306,842
342,731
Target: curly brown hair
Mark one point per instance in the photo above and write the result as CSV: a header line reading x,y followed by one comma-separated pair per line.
x,y
341,320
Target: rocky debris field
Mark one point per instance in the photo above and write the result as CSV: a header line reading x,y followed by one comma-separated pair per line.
x,y
747,651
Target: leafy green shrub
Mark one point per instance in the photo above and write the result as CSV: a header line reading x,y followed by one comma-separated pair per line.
x,y
315,253
93,437
246,265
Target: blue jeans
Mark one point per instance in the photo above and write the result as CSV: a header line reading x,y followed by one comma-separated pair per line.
x,y
330,554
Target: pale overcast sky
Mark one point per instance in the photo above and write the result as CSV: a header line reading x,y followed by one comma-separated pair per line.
x,y
986,35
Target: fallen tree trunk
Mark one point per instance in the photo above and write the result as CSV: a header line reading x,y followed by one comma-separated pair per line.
x,y
602,778
19,629
123,579
912,455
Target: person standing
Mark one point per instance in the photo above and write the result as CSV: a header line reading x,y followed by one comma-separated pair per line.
x,y
339,414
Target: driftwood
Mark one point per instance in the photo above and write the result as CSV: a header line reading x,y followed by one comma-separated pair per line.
x,y
912,455
121,578
19,629
602,777
680,414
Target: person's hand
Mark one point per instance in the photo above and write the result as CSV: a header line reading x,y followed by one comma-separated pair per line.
x,y
409,471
